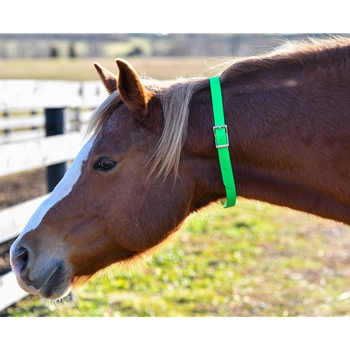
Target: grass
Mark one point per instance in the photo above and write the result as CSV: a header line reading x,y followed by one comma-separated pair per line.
x,y
251,260
83,69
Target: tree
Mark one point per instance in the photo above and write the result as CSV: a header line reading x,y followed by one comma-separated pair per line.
x,y
72,52
136,51
53,52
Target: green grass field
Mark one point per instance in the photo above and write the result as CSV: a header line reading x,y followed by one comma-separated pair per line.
x,y
251,260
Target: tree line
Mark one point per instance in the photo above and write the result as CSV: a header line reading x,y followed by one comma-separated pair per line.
x,y
96,45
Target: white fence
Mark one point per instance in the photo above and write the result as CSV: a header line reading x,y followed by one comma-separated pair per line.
x,y
23,145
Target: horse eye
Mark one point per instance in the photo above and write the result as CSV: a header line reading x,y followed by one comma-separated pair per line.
x,y
105,164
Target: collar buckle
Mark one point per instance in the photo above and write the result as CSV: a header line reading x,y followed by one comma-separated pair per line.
x,y
221,136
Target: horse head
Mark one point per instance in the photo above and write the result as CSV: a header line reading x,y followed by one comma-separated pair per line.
x,y
109,206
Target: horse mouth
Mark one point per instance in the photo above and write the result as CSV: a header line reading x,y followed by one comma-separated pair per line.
x,y
57,286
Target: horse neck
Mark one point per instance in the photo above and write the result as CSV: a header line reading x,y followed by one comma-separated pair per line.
x,y
277,140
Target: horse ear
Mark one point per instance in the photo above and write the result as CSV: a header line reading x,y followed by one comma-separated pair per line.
x,y
131,89
109,80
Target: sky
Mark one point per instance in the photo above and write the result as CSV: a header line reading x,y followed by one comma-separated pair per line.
x,y
183,16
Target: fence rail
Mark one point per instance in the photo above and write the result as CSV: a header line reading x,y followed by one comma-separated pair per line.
x,y
25,146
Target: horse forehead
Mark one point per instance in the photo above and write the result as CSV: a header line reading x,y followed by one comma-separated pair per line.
x,y
111,126
119,120
119,130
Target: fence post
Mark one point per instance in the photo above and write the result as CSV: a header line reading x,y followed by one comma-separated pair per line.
x,y
54,125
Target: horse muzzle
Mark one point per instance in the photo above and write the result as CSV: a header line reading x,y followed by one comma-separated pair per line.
x,y
46,277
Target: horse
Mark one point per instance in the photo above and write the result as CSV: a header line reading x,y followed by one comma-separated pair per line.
x,y
151,159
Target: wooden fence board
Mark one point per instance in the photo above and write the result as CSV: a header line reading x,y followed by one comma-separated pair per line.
x,y
31,154
21,136
35,94
13,219
22,122
93,94
10,292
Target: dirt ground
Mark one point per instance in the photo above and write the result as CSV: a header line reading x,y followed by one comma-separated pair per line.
x,y
15,189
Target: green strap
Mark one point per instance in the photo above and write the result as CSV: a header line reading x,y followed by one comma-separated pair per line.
x,y
222,142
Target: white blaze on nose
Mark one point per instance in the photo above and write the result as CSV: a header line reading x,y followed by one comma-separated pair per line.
x,y
61,190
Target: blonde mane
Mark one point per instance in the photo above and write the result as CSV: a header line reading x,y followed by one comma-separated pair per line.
x,y
176,95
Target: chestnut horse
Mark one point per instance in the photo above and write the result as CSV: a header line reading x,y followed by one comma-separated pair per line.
x,y
151,159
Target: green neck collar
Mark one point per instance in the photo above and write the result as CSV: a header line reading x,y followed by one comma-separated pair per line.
x,y
222,142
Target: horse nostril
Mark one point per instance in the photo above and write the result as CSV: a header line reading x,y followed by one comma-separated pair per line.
x,y
22,258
